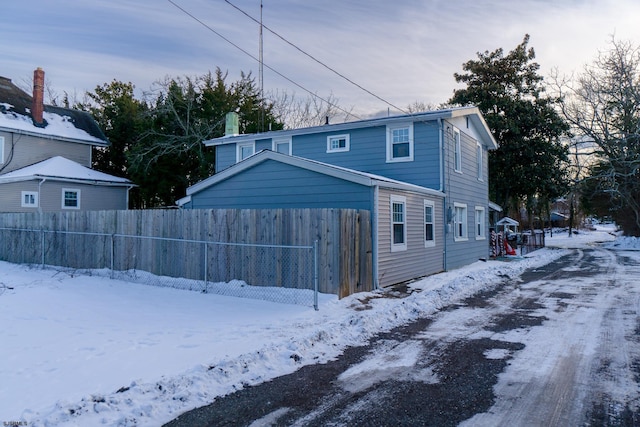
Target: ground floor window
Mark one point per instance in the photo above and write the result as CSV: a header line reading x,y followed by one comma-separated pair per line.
x,y
29,199
429,232
398,223
460,222
480,233
70,198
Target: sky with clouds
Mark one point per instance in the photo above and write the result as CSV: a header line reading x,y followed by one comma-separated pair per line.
x,y
402,51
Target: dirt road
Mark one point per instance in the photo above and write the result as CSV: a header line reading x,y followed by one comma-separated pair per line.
x,y
558,346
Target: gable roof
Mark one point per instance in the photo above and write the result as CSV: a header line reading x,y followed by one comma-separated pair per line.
x,y
61,169
472,112
60,123
350,175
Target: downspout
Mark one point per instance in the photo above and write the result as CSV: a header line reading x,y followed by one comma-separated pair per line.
x,y
129,187
442,189
40,193
374,240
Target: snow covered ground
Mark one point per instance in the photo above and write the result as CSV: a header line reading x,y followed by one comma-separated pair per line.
x,y
86,350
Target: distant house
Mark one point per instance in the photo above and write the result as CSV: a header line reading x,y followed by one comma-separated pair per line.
x,y
45,156
424,177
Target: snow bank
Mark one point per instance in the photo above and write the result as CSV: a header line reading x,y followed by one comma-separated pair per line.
x,y
86,350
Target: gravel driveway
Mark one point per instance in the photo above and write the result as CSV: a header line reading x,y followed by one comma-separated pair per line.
x,y
557,346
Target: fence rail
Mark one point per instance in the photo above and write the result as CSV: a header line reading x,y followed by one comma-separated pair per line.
x,y
273,272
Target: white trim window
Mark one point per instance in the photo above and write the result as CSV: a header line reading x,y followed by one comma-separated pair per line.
x,y
398,223
29,199
338,143
400,143
480,223
460,222
245,150
457,150
1,150
282,145
429,224
480,161
70,198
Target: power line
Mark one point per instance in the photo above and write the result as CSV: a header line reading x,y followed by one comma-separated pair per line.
x,y
315,59
256,59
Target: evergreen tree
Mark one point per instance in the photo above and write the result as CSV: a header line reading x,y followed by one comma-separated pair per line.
x,y
120,116
528,165
183,112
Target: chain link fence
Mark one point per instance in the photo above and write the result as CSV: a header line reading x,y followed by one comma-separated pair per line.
x,y
277,273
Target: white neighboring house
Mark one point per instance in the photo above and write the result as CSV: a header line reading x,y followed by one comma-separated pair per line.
x,y
46,153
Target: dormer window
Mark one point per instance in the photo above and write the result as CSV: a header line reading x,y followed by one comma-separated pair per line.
x,y
245,150
400,143
282,146
338,143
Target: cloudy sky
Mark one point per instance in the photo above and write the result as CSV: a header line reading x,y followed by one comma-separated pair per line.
x,y
402,51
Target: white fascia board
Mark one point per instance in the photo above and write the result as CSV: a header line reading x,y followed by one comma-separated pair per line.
x,y
63,179
356,177
340,127
97,142
477,119
183,201
282,158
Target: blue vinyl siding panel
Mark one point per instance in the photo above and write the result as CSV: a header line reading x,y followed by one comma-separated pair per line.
x,y
367,153
465,188
273,184
225,156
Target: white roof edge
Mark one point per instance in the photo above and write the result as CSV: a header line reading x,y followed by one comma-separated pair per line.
x,y
338,127
495,206
64,179
351,175
183,201
93,141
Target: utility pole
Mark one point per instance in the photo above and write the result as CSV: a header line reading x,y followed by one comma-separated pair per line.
x,y
261,74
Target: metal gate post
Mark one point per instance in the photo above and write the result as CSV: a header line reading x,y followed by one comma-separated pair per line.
x,y
206,263
42,244
315,274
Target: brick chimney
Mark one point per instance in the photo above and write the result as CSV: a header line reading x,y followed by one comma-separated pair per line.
x,y
37,108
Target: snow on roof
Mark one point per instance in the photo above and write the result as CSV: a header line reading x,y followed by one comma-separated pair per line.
x,y
57,125
60,168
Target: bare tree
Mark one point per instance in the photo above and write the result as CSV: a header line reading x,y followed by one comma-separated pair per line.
x,y
603,106
296,113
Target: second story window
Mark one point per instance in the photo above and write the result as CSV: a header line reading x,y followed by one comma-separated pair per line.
x,y
457,150
400,143
337,143
282,146
245,150
480,161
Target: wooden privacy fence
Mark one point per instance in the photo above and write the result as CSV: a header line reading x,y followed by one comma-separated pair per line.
x,y
256,246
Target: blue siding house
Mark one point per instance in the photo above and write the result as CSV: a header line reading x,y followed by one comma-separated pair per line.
x,y
424,177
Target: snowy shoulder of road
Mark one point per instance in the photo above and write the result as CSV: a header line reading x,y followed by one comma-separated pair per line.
x,y
81,350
